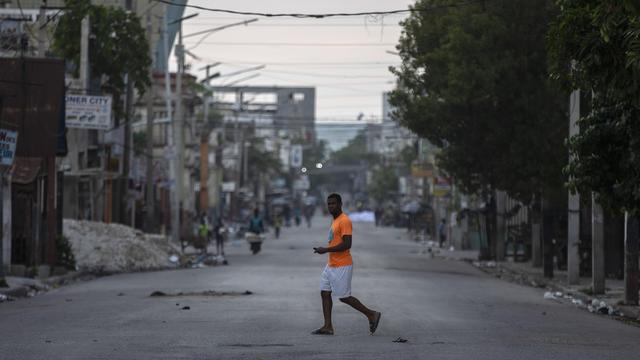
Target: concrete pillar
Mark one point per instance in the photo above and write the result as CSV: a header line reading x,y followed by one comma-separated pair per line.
x,y
536,245
501,229
631,243
6,222
573,222
597,247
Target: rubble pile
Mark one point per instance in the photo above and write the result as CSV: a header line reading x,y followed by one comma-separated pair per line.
x,y
111,248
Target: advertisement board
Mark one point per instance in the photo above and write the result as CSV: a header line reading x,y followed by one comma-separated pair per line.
x,y
8,141
88,112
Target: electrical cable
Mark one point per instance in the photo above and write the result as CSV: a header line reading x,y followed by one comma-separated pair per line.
x,y
223,43
324,15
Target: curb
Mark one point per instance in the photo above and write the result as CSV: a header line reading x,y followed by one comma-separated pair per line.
x,y
626,312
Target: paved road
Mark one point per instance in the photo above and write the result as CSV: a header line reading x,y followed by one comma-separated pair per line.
x,y
446,309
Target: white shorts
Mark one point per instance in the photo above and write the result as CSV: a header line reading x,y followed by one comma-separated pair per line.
x,y
337,280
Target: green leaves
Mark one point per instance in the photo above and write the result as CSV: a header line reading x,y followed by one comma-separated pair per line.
x,y
603,38
474,82
117,46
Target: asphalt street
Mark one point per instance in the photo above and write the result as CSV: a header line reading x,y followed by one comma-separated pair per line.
x,y
445,309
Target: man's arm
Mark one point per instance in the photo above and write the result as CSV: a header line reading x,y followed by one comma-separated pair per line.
x,y
346,245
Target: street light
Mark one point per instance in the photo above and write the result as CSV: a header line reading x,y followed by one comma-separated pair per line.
x,y
304,170
319,166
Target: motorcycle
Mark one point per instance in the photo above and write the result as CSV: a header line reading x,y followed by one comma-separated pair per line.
x,y
255,241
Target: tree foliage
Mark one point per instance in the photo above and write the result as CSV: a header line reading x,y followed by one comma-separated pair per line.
x,y
474,82
117,46
595,47
354,153
383,182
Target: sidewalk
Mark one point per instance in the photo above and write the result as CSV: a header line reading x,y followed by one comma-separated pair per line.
x,y
525,274
20,287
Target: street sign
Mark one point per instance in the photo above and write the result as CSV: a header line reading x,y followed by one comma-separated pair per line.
x,y
441,186
229,186
88,112
296,156
301,183
8,141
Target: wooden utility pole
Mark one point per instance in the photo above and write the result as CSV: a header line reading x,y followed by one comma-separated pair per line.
x,y
573,222
597,246
631,244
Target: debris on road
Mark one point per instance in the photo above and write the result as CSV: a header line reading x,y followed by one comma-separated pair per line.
x,y
400,340
202,293
595,306
186,308
111,248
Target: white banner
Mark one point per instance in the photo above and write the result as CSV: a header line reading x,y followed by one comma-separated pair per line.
x,y
8,141
88,112
296,156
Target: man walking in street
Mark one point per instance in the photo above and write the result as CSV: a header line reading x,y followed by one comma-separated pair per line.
x,y
442,232
336,277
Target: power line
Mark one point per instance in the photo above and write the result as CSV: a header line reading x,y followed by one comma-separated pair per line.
x,y
222,43
324,75
324,15
303,25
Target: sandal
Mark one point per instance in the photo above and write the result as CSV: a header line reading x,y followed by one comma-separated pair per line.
x,y
322,331
373,325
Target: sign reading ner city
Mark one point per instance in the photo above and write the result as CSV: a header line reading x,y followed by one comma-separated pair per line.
x,y
8,141
88,112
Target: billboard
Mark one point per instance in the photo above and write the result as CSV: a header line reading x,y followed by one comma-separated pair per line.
x,y
8,141
296,156
88,112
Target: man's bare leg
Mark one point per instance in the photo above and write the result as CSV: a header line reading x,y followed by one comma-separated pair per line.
x,y
356,304
327,305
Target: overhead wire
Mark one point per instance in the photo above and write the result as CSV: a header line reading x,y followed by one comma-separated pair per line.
x,y
227,43
324,15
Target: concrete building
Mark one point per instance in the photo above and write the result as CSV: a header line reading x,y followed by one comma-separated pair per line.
x,y
31,105
94,164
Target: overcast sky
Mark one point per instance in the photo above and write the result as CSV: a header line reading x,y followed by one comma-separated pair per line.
x,y
344,58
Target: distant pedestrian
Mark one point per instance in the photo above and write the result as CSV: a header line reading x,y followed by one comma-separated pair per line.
x,y
218,230
442,232
336,277
378,215
297,214
255,224
277,224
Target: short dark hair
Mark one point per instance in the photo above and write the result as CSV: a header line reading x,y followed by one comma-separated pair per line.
x,y
335,196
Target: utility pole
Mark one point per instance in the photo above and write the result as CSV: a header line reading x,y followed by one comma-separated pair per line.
x,y
236,140
3,281
178,126
175,220
573,223
631,244
536,232
41,29
123,190
597,246
149,221
84,54
501,233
